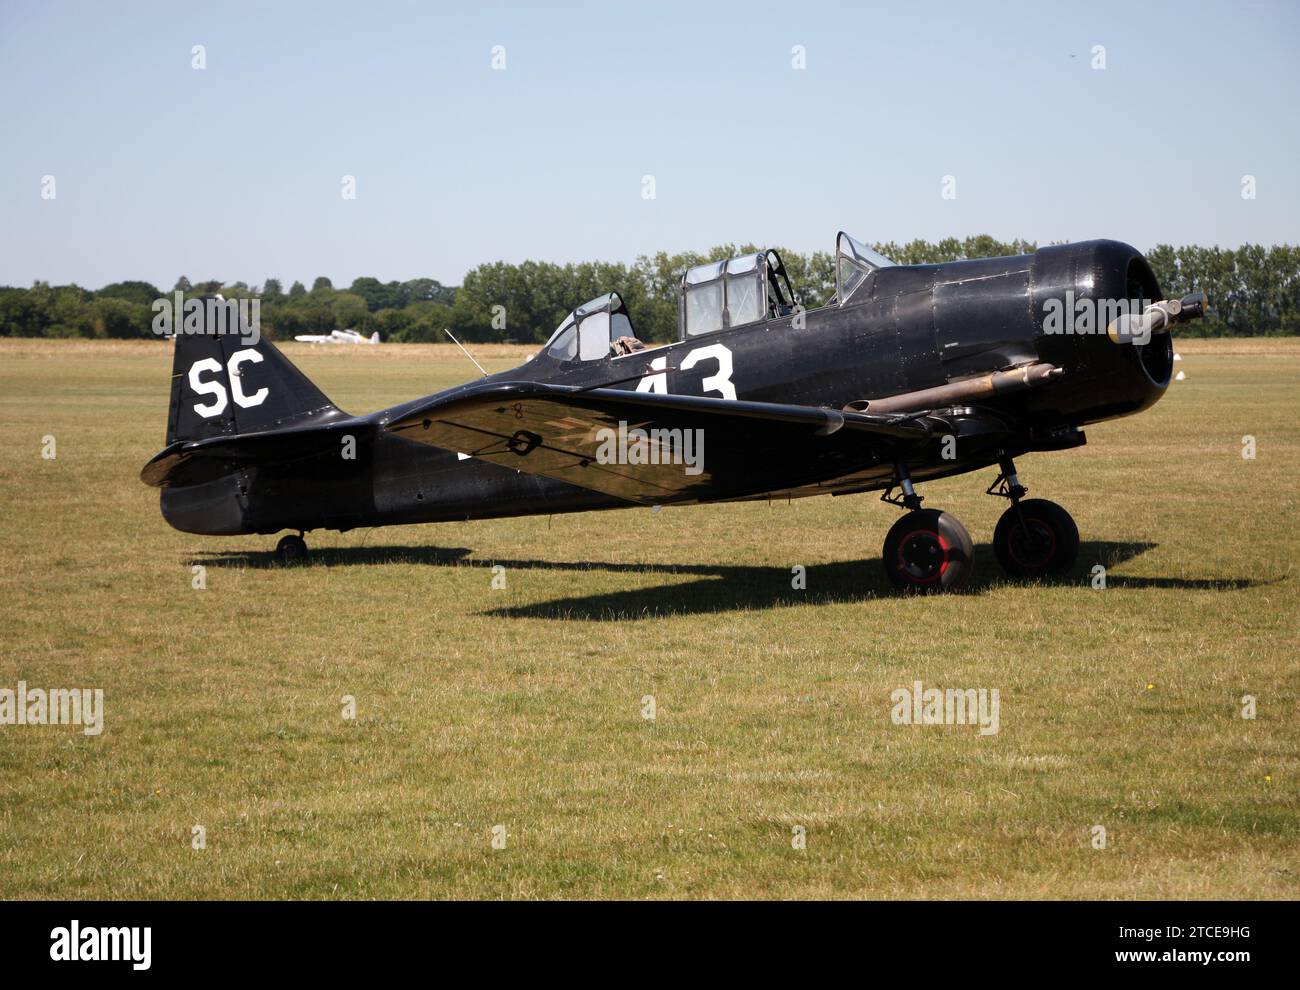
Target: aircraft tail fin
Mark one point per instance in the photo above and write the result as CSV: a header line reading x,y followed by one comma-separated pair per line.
x,y
228,379
374,337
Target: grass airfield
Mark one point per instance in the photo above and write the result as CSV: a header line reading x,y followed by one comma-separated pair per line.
x,y
520,709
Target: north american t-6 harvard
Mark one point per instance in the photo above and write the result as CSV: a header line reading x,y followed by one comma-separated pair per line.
x,y
909,372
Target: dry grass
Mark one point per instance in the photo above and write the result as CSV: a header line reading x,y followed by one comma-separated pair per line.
x,y
522,707
38,347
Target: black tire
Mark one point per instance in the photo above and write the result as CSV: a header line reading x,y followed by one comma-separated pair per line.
x,y
1054,546
928,551
291,550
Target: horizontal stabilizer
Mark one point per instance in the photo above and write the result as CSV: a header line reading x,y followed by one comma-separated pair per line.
x,y
192,462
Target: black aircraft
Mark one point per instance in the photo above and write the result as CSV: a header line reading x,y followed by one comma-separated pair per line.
x,y
909,372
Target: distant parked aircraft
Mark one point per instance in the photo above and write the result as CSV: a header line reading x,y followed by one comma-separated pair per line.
x,y
338,337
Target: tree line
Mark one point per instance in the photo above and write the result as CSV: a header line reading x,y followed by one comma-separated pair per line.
x,y
1253,290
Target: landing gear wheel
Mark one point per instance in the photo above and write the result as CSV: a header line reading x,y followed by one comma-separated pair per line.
x,y
928,551
291,550
1036,539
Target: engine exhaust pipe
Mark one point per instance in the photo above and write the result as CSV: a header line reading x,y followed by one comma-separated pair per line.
x,y
959,393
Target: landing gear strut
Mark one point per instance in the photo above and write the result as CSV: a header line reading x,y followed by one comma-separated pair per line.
x,y
927,550
291,549
1034,538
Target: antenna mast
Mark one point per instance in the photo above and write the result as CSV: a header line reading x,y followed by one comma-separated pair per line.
x,y
462,347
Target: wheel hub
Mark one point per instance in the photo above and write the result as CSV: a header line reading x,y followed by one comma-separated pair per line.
x,y
1032,544
923,556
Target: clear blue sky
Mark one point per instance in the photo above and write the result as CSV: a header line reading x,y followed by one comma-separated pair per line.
x,y
234,172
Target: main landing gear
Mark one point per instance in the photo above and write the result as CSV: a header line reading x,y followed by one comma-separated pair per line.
x,y
291,549
1034,538
929,551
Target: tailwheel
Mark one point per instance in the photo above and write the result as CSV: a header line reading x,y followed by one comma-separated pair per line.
x,y
291,550
928,551
1036,538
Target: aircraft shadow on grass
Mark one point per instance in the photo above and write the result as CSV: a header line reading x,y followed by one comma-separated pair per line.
x,y
724,587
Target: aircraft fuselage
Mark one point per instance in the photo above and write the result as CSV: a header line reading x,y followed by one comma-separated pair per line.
x,y
909,328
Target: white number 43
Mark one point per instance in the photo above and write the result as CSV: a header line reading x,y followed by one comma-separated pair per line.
x,y
720,383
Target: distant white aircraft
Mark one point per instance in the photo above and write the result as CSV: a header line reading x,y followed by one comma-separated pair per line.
x,y
338,337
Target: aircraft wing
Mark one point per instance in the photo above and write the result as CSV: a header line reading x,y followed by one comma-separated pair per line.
x,y
653,448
